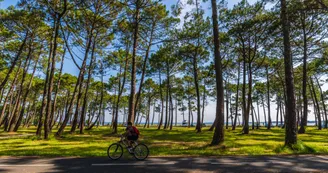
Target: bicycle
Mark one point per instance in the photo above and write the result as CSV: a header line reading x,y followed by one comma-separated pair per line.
x,y
139,151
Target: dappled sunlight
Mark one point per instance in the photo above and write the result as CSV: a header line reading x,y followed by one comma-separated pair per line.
x,y
179,141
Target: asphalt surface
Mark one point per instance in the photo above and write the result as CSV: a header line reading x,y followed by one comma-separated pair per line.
x,y
306,163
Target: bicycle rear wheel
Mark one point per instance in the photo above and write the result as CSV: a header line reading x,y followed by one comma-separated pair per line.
x,y
140,152
115,151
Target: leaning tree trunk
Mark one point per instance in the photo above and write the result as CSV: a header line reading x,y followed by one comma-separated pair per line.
x,y
78,83
14,117
13,64
317,105
25,96
323,102
85,101
81,77
101,102
9,93
145,64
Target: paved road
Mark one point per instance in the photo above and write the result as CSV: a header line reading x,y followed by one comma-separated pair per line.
x,y
158,165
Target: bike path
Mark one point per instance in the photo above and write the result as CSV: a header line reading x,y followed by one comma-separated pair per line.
x,y
301,163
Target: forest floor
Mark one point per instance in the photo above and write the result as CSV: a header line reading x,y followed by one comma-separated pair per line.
x,y
180,141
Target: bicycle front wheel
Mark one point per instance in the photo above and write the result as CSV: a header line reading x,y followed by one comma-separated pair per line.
x,y
141,152
115,151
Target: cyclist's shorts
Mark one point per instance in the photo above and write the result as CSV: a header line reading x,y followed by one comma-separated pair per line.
x,y
133,138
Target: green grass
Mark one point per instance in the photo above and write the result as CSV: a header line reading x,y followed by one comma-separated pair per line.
x,y
180,141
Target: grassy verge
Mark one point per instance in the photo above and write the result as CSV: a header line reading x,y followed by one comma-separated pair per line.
x,y
180,141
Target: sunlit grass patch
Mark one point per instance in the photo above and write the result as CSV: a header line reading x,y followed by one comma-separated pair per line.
x,y
179,141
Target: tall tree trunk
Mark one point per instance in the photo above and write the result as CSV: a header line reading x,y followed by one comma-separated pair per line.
x,y
145,64
281,114
9,93
317,105
162,100
16,109
244,93
26,94
45,88
101,99
167,95
218,136
54,103
152,121
77,87
133,71
85,101
171,107
249,100
227,105
291,128
258,113
195,69
121,88
268,98
51,75
323,102
278,109
264,112
237,97
204,102
81,77
305,100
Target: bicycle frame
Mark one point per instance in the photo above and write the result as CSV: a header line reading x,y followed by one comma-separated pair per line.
x,y
124,142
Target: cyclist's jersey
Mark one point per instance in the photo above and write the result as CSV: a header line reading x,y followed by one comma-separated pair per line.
x,y
131,130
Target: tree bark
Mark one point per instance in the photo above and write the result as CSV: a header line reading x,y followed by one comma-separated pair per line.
x,y
162,100
317,105
81,78
145,64
26,94
291,128
218,136
305,100
268,97
15,113
120,92
227,106
85,101
323,102
54,103
133,71
237,97
76,88
9,93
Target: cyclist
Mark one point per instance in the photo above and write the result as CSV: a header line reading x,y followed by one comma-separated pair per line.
x,y
132,134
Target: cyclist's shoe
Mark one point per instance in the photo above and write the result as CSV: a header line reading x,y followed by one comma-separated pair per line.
x,y
130,149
